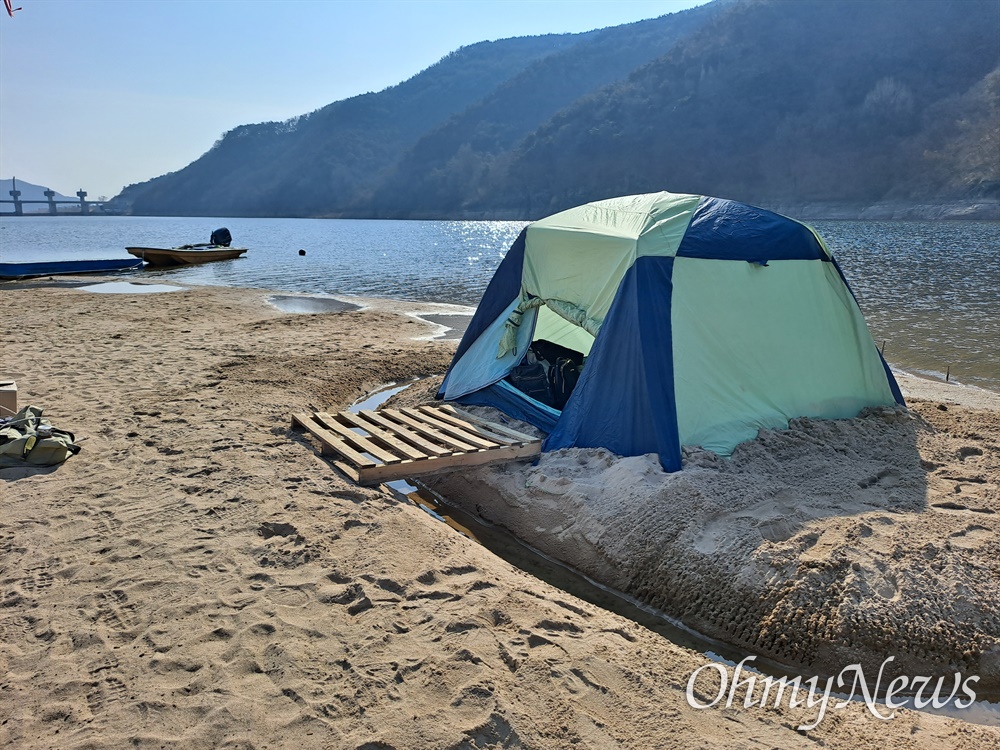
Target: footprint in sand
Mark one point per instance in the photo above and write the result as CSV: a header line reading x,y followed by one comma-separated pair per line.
x,y
338,577
118,614
38,578
952,506
106,522
884,478
968,450
971,537
105,692
74,527
270,529
353,597
445,584
579,680
288,596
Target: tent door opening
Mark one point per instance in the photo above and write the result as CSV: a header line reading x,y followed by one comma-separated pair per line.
x,y
548,373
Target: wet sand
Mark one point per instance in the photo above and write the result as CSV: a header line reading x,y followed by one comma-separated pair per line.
x,y
199,577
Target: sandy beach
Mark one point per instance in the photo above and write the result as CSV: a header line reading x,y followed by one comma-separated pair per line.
x,y
200,577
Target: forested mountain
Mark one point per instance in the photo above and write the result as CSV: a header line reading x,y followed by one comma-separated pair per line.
x,y
446,166
316,164
819,103
778,102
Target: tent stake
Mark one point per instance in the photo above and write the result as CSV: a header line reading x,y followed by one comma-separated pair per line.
x,y
882,350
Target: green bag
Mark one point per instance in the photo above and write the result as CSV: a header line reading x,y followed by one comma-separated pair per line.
x,y
27,438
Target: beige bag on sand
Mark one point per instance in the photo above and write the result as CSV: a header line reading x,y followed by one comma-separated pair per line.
x,y
27,438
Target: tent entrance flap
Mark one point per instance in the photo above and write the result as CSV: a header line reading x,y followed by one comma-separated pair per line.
x,y
480,366
553,327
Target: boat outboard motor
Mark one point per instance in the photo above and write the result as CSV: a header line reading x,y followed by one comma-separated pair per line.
x,y
221,237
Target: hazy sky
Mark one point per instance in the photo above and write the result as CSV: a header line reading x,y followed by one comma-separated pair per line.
x,y
99,94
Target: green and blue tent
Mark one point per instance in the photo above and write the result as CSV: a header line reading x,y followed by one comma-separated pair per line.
x,y
702,321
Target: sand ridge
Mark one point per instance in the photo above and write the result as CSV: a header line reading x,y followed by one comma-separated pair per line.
x,y
199,577
826,544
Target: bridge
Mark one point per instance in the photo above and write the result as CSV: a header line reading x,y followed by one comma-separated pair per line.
x,y
52,203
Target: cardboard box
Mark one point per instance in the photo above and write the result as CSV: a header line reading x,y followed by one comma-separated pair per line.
x,y
8,398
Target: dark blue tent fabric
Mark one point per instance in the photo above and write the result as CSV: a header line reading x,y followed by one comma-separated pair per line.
x,y
625,400
508,399
504,288
727,230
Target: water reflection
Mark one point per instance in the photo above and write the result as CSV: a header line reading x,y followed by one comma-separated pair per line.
x,y
930,290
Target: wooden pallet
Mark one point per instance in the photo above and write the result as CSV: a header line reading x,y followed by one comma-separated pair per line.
x,y
373,447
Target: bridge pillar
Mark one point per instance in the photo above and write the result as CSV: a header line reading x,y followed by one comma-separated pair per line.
x,y
18,206
51,195
84,207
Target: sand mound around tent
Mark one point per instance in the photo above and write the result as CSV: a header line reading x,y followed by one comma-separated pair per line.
x,y
824,545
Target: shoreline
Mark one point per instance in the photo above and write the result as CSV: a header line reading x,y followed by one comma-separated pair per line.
x,y
440,313
887,210
932,389
199,575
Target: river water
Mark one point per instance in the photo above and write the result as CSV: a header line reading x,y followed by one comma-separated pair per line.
x,y
929,290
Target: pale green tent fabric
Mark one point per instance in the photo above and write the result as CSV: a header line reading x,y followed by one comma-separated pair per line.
x,y
740,334
579,256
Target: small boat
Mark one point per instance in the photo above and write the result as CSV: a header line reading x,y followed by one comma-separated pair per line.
x,y
185,254
10,271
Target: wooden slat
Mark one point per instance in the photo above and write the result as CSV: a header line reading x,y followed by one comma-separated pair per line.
x,y
418,426
461,414
406,434
378,474
332,442
482,431
349,471
386,437
461,432
360,442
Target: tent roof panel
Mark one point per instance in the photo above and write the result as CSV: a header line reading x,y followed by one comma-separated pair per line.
x,y
727,230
